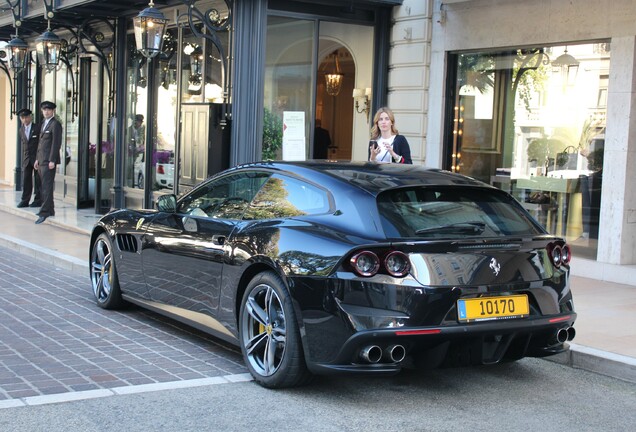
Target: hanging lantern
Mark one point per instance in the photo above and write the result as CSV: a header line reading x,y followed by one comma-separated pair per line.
x,y
567,66
48,47
150,26
333,80
18,52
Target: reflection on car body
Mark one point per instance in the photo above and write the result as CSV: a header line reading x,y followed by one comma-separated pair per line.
x,y
325,267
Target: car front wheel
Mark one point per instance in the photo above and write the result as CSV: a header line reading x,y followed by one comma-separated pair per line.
x,y
269,335
103,274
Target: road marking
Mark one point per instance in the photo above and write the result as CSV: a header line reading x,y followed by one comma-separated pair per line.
x,y
124,390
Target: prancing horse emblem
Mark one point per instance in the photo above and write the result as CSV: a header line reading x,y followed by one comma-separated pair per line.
x,y
494,265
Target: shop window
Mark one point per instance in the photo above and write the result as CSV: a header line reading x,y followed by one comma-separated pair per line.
x,y
532,121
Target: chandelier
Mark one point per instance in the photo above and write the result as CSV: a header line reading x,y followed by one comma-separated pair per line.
x,y
333,80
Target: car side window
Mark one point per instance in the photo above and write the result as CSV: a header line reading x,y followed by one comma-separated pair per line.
x,y
223,198
284,196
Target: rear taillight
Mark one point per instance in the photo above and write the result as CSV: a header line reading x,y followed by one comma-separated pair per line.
x,y
397,264
559,254
367,263
160,169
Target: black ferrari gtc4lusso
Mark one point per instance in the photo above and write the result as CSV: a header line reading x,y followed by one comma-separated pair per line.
x,y
321,267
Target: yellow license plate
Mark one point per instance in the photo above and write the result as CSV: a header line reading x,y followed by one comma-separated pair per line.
x,y
492,308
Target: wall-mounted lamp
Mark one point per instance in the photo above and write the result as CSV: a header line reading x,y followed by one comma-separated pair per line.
x,y
362,97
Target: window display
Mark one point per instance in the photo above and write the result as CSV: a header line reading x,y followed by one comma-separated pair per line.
x,y
532,122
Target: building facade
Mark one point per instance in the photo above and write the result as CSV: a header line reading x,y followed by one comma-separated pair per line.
x,y
531,96
229,74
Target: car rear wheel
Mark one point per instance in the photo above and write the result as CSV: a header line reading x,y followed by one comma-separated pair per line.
x,y
269,335
104,275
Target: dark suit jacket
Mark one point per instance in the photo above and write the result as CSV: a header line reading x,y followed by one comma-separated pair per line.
x,y
29,144
50,142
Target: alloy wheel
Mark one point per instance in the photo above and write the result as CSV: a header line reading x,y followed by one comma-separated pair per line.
x,y
264,330
101,270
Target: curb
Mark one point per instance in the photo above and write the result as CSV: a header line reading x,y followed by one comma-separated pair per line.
x,y
48,256
598,361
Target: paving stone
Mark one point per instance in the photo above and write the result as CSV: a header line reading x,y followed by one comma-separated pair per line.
x,y
54,338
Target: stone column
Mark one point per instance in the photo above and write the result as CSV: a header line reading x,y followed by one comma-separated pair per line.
x,y
409,65
617,233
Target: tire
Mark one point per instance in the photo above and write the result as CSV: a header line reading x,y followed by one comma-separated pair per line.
x,y
269,334
104,274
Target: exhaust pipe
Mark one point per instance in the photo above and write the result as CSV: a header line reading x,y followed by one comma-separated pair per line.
x,y
371,354
395,353
561,335
571,333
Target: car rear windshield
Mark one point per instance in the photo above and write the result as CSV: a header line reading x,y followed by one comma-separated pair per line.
x,y
452,212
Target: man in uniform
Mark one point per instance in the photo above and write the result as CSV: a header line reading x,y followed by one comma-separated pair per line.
x,y
48,157
29,137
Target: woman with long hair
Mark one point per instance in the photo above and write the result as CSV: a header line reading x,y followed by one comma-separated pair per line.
x,y
387,145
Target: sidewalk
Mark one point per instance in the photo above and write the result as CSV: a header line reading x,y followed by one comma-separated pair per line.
x,y
605,339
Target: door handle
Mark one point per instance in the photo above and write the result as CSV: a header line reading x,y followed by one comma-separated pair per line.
x,y
218,239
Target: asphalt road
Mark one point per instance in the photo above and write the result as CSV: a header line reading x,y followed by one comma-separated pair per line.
x,y
531,395
55,341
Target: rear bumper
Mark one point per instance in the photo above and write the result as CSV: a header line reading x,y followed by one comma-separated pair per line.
x,y
463,344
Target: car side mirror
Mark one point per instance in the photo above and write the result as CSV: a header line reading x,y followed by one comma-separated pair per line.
x,y
167,203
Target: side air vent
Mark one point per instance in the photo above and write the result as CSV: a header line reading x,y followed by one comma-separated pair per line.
x,y
127,243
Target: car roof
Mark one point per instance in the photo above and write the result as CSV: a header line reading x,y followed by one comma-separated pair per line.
x,y
370,176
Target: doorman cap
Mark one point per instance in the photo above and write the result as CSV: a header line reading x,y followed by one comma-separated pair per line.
x,y
47,104
25,112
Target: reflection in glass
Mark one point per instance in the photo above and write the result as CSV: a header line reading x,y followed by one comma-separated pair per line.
x,y
533,122
288,79
286,197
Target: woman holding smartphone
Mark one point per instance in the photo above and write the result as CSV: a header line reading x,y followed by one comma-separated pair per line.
x,y
387,145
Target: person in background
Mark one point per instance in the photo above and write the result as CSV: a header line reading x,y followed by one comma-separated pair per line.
x,y
29,137
48,157
387,145
322,141
137,134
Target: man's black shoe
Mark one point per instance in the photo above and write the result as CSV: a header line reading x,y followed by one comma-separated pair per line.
x,y
22,204
35,204
41,219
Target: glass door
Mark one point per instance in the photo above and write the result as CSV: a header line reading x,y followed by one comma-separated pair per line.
x,y
313,69
289,88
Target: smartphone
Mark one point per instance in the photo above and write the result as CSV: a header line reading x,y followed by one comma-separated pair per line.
x,y
373,144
